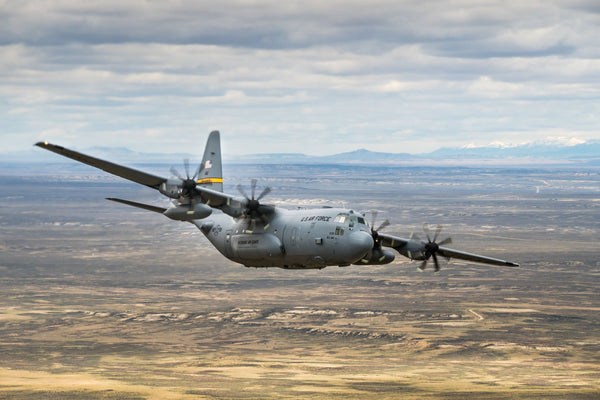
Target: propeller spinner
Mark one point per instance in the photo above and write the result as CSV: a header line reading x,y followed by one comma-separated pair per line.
x,y
253,208
432,247
188,184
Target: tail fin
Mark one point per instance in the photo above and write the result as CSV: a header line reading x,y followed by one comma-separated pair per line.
x,y
210,172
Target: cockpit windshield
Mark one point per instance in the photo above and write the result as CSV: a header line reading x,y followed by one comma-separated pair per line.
x,y
350,220
341,218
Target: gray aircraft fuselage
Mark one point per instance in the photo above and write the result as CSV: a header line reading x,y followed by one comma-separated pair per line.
x,y
294,239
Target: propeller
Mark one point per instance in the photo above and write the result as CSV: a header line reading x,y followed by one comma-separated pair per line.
x,y
188,184
432,247
374,232
253,208
377,255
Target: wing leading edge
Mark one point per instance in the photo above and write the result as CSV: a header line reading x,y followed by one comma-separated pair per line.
x,y
410,247
131,174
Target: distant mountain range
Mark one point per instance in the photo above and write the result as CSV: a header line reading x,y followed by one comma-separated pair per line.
x,y
587,150
528,154
587,153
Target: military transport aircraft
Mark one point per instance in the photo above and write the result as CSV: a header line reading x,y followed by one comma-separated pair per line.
x,y
254,234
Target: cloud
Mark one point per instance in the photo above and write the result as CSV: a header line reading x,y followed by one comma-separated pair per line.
x,y
349,73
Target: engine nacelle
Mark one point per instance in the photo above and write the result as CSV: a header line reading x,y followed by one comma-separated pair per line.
x,y
171,188
188,212
414,249
377,257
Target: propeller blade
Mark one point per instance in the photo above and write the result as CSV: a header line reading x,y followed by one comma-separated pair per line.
x,y
197,173
383,225
374,218
423,265
445,241
414,236
186,164
437,232
265,192
242,192
435,261
175,172
426,230
253,186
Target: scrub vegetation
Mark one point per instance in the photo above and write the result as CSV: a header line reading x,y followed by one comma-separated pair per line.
x,y
102,301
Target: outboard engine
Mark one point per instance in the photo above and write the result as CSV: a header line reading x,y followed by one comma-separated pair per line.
x,y
171,188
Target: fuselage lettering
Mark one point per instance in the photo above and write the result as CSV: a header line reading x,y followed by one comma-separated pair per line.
x,y
315,218
248,242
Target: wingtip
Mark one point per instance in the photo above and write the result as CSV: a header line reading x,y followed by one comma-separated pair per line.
x,y
42,144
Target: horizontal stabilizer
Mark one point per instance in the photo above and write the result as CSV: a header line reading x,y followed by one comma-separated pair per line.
x,y
148,207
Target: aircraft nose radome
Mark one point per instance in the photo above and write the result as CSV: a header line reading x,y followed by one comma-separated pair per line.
x,y
361,243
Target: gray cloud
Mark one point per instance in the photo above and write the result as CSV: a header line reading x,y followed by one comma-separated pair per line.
x,y
387,75
511,27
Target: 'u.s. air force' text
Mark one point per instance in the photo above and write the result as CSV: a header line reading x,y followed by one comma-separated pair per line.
x,y
315,218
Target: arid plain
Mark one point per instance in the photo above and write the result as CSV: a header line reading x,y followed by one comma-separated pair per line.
x,y
102,301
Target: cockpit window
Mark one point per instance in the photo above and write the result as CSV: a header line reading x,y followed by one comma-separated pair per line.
x,y
361,220
341,218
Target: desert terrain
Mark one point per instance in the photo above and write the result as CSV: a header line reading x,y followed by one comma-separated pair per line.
x,y
103,301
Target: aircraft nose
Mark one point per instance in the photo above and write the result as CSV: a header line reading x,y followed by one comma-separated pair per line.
x,y
361,243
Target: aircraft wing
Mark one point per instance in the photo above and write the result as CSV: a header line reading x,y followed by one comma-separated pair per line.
x,y
231,205
131,174
450,253
405,246
392,241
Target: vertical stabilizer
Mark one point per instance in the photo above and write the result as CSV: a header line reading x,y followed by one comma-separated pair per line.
x,y
210,172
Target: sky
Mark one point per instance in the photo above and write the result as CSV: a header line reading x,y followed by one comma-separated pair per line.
x,y
314,77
